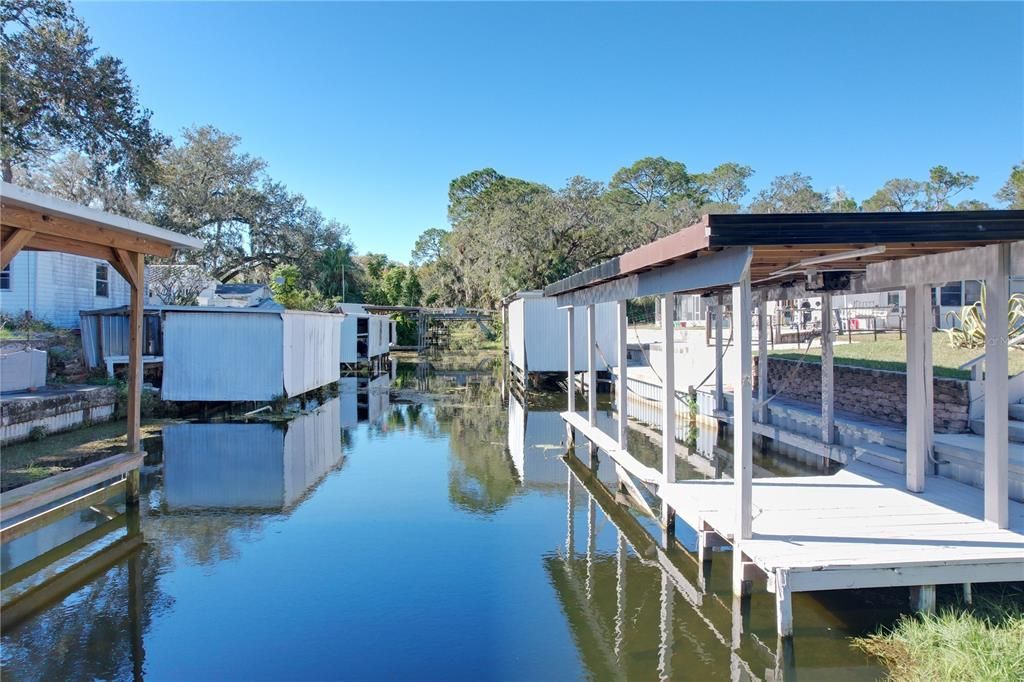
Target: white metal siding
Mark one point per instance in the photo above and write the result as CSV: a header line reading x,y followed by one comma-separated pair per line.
x,y
56,286
348,327
312,345
380,335
223,356
538,341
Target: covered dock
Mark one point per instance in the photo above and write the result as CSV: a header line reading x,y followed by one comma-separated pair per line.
x,y
863,527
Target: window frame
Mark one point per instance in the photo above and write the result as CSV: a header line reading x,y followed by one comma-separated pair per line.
x,y
104,280
5,278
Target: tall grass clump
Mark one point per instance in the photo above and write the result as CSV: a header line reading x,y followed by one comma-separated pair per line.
x,y
984,644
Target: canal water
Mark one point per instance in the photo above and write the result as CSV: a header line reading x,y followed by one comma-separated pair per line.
x,y
422,527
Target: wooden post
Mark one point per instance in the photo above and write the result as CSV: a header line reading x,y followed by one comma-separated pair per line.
x,y
135,319
667,630
570,517
668,404
762,360
922,598
827,374
919,376
571,354
719,354
591,365
621,385
783,604
591,543
997,397
743,441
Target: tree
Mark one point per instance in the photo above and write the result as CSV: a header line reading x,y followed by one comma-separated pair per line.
x,y
59,95
429,246
944,184
1012,192
789,194
338,274
654,197
841,202
898,194
724,187
285,282
72,176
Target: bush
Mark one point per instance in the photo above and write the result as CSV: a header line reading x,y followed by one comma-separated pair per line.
x,y
37,433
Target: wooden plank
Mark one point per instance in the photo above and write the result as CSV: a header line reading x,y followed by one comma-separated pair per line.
x,y
55,554
65,228
134,276
762,360
918,375
972,263
997,397
21,500
743,446
645,474
719,353
45,518
828,401
135,319
13,244
809,580
46,242
668,405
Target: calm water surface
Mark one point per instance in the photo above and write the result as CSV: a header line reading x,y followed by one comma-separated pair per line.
x,y
422,532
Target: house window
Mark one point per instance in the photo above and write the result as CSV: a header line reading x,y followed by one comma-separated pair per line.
x,y
972,291
102,281
894,300
5,278
951,294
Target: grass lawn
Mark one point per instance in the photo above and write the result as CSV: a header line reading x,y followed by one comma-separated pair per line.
x,y
890,352
32,460
983,644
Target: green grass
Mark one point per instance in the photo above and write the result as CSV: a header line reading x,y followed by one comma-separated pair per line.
x,y
983,644
33,460
889,352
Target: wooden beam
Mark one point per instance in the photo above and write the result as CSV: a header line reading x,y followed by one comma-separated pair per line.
x,y
762,360
571,375
52,515
64,228
46,242
828,394
743,432
973,263
135,318
997,397
621,385
668,391
919,375
719,353
133,276
591,365
13,244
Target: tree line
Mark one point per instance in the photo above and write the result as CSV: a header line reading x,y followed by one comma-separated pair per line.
x,y
508,234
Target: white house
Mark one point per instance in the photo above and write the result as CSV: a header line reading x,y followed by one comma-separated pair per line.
x,y
235,295
55,286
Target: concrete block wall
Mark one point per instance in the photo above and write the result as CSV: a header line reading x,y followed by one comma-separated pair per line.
x,y
875,393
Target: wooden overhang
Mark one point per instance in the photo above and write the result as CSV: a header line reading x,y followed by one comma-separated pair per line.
x,y
39,222
779,241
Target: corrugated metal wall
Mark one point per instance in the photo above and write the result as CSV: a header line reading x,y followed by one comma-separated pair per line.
x,y
312,448
348,328
223,356
380,333
312,346
537,336
115,336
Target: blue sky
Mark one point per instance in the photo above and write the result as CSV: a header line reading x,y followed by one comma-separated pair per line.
x,y
370,110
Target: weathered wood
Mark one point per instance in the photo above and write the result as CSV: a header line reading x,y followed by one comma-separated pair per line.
x,y
45,518
13,244
128,265
919,376
621,379
571,358
55,554
743,442
135,318
997,399
973,263
719,353
14,503
762,360
828,399
783,604
668,405
78,231
591,365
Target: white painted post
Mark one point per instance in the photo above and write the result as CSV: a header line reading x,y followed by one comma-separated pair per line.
x,y
922,598
762,359
828,419
667,634
997,397
719,354
783,604
919,375
743,432
620,594
668,391
570,517
591,544
591,365
621,385
571,376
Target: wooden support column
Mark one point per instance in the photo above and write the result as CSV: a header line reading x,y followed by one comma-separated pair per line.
x,y
571,355
719,353
135,317
919,378
762,359
783,604
997,397
668,405
743,432
621,385
828,397
13,245
591,365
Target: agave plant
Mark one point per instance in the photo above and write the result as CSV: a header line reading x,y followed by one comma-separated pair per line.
x,y
968,330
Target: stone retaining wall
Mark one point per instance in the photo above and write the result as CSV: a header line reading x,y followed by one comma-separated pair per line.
x,y
876,393
55,409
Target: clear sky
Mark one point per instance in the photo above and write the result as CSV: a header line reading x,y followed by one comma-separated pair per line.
x,y
370,110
